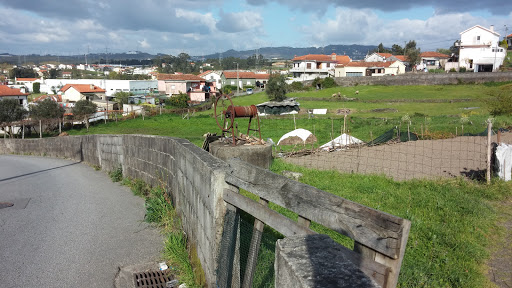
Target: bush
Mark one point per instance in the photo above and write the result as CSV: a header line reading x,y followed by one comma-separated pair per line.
x,y
36,87
178,101
227,89
329,83
296,86
462,69
500,101
276,88
453,70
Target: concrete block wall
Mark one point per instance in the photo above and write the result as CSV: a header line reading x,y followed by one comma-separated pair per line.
x,y
194,178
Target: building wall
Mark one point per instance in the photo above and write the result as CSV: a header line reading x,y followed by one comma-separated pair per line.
x,y
489,54
71,95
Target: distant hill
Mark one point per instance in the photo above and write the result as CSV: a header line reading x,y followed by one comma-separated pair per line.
x,y
356,52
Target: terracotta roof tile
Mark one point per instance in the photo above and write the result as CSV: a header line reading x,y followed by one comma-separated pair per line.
x,y
434,54
261,76
27,79
401,58
241,75
179,77
367,64
83,88
8,91
385,55
205,73
340,59
56,98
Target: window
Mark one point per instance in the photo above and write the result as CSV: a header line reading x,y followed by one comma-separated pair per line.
x,y
232,82
308,65
328,65
248,82
21,101
477,38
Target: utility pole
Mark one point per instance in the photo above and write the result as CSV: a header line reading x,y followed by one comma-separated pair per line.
x,y
237,81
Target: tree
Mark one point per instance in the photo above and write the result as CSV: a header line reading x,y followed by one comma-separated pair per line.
x,y
276,88
412,53
444,51
178,101
22,73
381,49
53,73
397,50
10,111
36,87
122,98
46,109
504,44
84,108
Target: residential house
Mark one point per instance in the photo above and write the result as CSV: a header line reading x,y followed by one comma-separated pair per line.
x,y
77,92
56,98
309,67
66,75
509,41
433,60
261,79
27,82
377,57
354,69
13,93
212,76
197,88
479,49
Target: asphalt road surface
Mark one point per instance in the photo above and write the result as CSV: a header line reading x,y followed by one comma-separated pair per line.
x,y
70,225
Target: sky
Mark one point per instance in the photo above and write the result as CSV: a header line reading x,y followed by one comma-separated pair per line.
x,y
202,27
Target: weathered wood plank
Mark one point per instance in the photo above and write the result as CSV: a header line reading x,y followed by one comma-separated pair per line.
x,y
375,229
303,221
254,249
281,223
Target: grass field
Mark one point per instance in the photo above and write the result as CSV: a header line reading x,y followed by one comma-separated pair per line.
x,y
453,221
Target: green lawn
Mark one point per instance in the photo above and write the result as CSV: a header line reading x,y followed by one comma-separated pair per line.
x,y
453,221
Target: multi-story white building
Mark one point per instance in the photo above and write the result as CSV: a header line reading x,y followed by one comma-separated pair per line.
x,y
309,67
136,87
479,49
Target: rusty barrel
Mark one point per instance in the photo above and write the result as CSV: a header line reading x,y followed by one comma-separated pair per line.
x,y
242,111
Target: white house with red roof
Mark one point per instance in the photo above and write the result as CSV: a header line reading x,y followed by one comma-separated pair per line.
x,y
197,88
212,76
509,41
311,66
377,57
77,92
433,60
479,49
362,68
27,82
13,93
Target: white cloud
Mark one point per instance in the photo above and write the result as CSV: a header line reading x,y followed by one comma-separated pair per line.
x,y
144,44
239,21
352,26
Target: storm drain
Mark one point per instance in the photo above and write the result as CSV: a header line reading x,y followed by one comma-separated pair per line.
x,y
6,204
154,279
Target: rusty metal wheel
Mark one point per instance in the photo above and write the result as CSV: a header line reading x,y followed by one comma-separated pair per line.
x,y
221,111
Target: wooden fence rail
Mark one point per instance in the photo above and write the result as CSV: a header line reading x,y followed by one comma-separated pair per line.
x,y
380,238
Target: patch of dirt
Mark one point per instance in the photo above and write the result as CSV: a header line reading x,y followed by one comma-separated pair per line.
x,y
461,156
500,265
384,110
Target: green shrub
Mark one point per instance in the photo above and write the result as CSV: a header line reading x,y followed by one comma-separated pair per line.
x,y
500,101
177,101
462,69
117,174
329,83
296,86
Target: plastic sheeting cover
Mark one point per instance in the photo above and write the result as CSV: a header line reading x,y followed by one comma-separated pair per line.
x,y
340,141
301,133
504,161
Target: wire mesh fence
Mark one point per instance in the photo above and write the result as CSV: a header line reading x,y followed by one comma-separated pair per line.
x,y
402,159
240,241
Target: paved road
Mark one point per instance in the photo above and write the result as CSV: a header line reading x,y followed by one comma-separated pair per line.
x,y
70,225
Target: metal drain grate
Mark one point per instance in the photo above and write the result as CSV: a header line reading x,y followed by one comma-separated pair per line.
x,y
6,204
154,279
